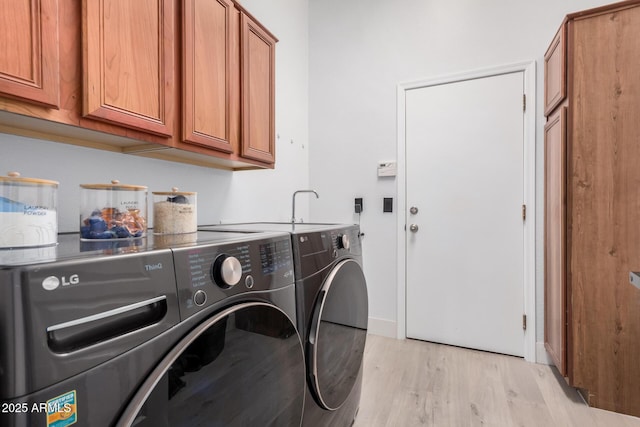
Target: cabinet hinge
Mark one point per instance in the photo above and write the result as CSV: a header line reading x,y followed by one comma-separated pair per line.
x,y
524,212
524,102
524,322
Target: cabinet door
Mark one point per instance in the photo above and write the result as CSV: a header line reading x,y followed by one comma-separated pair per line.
x,y
555,291
555,78
210,63
258,86
604,215
29,61
128,63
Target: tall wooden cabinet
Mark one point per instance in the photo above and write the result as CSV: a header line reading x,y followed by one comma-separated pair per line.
x,y
592,204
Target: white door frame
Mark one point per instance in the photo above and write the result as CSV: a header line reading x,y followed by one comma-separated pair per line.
x,y
529,137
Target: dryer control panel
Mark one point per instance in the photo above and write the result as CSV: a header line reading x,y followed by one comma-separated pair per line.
x,y
207,274
318,249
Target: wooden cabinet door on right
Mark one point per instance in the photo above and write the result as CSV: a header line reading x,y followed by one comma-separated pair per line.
x,y
258,92
555,293
128,55
29,58
592,206
555,75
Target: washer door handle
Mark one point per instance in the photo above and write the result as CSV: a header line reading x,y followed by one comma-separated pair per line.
x,y
85,331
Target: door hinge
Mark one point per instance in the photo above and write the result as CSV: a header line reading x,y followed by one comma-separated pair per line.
x,y
524,322
524,102
524,212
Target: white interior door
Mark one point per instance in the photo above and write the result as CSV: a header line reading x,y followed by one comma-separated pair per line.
x,y
464,175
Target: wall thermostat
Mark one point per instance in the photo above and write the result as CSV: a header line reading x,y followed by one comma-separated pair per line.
x,y
387,169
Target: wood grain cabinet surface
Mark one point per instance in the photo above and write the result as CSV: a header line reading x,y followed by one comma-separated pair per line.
x,y
128,63
592,209
163,79
555,292
29,51
258,91
555,74
210,76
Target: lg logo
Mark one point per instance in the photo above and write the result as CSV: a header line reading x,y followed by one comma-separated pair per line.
x,y
52,282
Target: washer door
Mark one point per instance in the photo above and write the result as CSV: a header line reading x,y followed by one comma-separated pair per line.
x,y
243,366
337,334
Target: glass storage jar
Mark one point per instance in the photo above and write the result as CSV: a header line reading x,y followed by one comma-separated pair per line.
x,y
174,212
28,212
113,211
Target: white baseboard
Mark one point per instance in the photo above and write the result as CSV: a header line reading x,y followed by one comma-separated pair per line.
x,y
542,356
383,327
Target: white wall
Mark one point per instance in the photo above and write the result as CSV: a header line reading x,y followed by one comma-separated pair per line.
x,y
222,195
359,51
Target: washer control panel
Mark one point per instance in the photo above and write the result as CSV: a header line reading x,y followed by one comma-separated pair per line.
x,y
226,271
207,274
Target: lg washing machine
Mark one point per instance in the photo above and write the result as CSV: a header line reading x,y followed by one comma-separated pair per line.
x,y
187,331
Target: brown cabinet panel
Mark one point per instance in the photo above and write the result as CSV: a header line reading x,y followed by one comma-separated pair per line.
x,y
601,237
605,241
210,64
258,105
555,293
29,58
555,88
128,52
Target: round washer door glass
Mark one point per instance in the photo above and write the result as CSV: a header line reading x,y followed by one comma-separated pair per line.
x,y
243,366
338,334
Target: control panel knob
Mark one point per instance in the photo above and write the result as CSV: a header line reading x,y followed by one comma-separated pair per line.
x,y
199,298
226,271
343,241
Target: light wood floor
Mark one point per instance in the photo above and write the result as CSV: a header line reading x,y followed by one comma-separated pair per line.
x,y
414,383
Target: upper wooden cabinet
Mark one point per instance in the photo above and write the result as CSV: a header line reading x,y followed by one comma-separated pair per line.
x,y
592,207
175,80
555,74
210,77
29,57
128,63
258,91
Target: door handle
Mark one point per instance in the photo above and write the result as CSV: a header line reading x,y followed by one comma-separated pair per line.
x,y
413,228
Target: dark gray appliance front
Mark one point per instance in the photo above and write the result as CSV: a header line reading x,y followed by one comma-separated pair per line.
x,y
65,318
103,340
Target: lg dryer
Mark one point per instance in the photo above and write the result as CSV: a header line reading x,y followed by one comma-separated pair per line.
x,y
332,307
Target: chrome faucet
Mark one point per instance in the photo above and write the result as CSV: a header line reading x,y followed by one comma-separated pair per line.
x,y
293,203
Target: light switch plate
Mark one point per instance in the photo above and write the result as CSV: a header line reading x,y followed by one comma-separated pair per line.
x,y
387,204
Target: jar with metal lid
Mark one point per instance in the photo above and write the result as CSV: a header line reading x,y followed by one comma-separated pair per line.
x,y
174,212
113,211
28,211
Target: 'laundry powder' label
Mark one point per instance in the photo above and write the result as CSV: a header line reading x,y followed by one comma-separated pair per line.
x,y
62,411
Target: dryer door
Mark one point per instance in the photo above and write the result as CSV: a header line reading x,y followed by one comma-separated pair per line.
x,y
337,334
243,366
